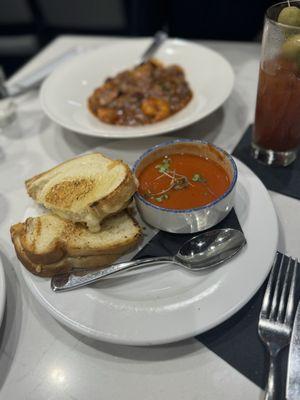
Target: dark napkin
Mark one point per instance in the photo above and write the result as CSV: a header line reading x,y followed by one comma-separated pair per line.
x,y
284,180
166,244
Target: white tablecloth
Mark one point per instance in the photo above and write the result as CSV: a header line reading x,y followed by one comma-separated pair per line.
x,y
40,359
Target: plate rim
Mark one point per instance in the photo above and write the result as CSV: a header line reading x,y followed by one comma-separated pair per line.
x,y
114,338
124,135
2,290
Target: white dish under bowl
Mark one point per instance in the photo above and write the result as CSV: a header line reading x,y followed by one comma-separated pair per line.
x,y
167,304
195,219
65,92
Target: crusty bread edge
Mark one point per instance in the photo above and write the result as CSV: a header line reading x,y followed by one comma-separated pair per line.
x,y
115,201
128,180
43,265
55,252
34,268
31,180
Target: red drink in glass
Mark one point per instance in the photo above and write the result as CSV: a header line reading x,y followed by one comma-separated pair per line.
x,y
276,134
277,119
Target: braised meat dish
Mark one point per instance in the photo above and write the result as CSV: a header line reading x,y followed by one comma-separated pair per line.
x,y
143,95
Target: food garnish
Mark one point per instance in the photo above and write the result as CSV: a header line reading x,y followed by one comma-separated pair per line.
x,y
162,197
198,178
164,166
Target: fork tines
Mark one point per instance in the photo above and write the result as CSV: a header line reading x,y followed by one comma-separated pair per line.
x,y
279,300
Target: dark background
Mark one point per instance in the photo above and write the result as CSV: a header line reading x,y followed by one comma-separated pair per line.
x,y
28,25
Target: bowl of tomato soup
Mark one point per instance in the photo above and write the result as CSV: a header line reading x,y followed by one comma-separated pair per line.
x,y
185,186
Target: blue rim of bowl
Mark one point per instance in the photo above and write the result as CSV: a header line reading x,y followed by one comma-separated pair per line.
x,y
189,210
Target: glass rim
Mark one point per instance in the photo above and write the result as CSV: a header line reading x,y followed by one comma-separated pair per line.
x,y
279,24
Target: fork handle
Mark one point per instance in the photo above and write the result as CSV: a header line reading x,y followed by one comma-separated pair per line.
x,y
270,389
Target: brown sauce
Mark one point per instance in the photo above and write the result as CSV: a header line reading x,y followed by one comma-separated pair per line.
x,y
144,95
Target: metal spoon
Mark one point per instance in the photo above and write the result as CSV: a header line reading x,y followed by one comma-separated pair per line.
x,y
158,40
201,252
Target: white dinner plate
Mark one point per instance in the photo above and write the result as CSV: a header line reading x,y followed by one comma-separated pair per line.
x,y
166,304
2,291
65,92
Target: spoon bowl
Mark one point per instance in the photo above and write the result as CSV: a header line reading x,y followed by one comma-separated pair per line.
x,y
203,251
210,248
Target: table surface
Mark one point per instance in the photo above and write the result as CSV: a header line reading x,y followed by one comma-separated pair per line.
x,y
39,358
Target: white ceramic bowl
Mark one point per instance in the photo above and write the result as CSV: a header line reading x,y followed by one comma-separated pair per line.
x,y
65,92
194,219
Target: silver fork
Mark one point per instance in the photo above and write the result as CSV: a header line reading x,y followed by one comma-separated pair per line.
x,y
277,313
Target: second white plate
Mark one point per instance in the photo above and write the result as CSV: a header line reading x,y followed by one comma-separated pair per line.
x,y
65,92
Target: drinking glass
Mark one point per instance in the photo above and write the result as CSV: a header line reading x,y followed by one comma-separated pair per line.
x,y
276,133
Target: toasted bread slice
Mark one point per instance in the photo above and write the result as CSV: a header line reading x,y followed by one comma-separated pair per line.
x,y
48,245
84,189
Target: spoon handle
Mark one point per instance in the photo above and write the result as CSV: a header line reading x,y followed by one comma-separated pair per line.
x,y
158,40
70,281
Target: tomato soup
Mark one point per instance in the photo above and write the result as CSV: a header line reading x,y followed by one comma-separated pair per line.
x,y
183,181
